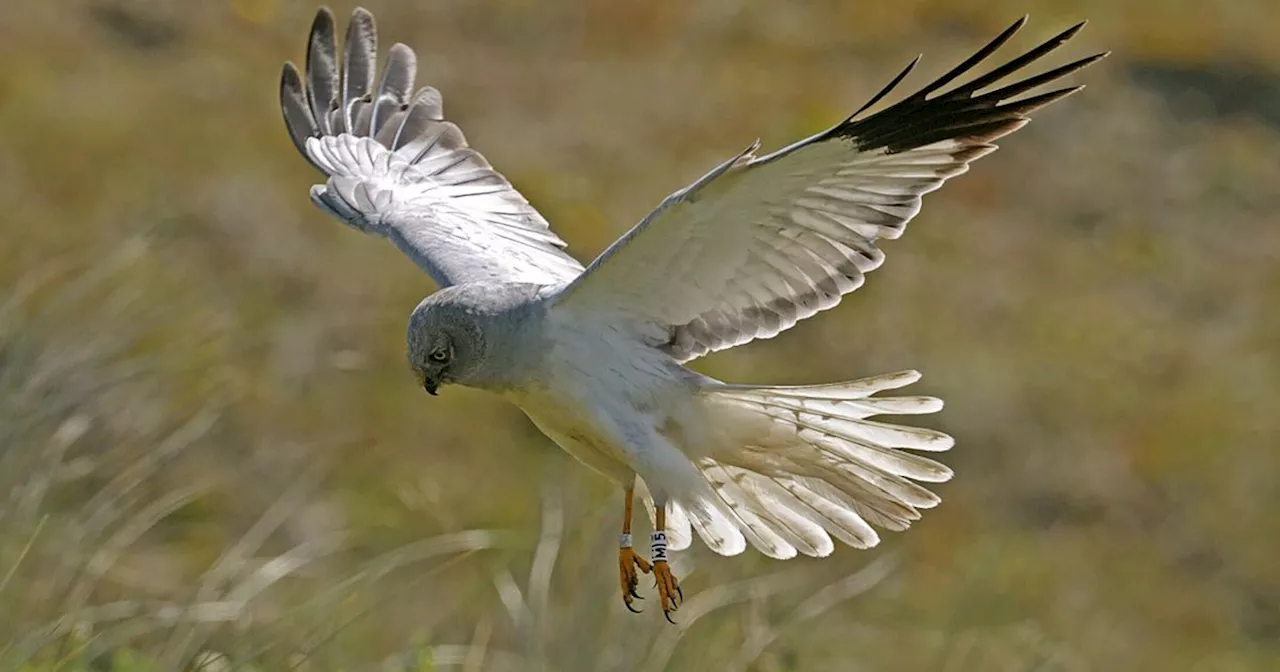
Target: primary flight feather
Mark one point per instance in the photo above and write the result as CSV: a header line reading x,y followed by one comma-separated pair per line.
x,y
594,356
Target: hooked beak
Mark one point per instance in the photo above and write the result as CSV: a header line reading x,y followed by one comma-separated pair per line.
x,y
431,385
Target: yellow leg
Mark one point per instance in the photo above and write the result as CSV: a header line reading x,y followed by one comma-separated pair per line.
x,y
668,587
628,559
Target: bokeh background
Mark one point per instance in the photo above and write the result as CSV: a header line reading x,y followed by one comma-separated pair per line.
x,y
213,456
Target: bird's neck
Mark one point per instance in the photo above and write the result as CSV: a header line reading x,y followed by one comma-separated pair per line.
x,y
513,349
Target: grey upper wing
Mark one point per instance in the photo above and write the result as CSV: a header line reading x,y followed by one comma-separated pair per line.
x,y
762,242
397,169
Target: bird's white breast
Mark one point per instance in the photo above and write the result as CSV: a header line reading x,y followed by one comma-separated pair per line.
x,y
595,388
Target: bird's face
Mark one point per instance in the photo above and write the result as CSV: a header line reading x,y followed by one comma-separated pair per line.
x,y
433,365
444,347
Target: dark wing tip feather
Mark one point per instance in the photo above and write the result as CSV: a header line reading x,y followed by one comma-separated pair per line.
x,y
340,91
958,113
323,26
324,17
294,107
1022,86
394,90
978,57
890,86
321,67
1021,62
359,63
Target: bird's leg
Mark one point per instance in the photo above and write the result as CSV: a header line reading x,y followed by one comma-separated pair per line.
x,y
628,559
668,588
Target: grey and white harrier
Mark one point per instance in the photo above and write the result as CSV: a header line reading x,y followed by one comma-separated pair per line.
x,y
594,356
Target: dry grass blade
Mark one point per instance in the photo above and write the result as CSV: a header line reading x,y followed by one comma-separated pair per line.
x,y
110,551
479,646
459,654
105,506
544,556
235,558
815,605
22,555
282,566
714,599
344,590
521,617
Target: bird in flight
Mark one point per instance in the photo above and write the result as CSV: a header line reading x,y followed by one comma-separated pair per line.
x,y
595,356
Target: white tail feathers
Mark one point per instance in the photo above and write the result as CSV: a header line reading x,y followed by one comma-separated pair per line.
x,y
791,467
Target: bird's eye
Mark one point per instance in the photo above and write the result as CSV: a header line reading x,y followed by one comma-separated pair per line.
x,y
441,356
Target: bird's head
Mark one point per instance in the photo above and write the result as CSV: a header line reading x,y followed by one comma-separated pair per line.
x,y
446,341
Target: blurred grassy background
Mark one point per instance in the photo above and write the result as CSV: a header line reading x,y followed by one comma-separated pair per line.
x,y
210,443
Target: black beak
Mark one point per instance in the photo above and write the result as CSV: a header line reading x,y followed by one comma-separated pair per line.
x,y
430,385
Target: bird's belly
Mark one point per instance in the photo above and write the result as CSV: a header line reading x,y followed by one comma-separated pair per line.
x,y
602,397
579,437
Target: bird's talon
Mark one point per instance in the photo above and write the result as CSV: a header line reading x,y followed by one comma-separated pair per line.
x,y
669,590
628,562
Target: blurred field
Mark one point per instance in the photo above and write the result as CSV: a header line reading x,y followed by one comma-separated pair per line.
x,y
209,441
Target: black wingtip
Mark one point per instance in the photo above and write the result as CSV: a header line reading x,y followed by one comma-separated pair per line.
x,y
1068,33
970,63
324,21
1008,33
1017,88
887,88
1026,106
937,112
1088,60
1012,30
1031,56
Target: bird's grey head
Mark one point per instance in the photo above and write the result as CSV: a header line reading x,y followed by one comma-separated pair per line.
x,y
451,331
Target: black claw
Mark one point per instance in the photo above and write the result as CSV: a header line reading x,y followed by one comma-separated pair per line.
x,y
632,609
668,615
680,591
633,593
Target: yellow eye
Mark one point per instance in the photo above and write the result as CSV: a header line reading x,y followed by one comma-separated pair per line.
x,y
439,356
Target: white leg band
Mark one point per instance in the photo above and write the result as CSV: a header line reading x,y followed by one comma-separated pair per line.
x,y
624,541
658,546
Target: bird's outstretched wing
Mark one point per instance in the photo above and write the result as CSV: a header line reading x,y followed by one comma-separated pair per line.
x,y
761,242
398,170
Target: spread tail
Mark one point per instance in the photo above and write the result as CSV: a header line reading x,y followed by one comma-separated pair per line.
x,y
791,467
